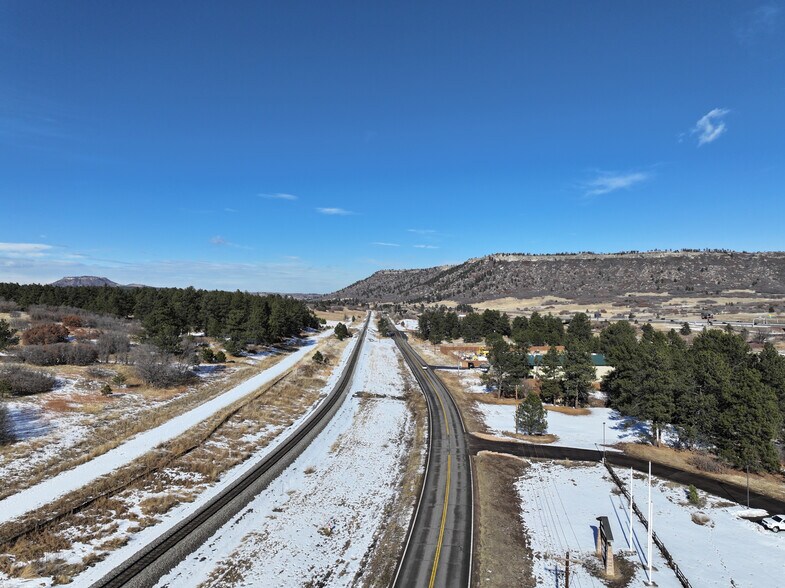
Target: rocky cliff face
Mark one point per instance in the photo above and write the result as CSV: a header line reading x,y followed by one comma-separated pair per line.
x,y
583,276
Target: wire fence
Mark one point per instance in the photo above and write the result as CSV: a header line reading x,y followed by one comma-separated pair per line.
x,y
660,545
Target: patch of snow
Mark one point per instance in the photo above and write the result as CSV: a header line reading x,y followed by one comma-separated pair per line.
x,y
581,431
46,491
316,522
175,515
559,509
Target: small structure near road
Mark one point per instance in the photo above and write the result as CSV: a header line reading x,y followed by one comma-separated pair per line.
x,y
605,545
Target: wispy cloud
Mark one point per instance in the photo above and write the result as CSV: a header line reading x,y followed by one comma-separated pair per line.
x,y
219,241
422,231
426,246
710,126
383,244
230,210
278,196
24,250
763,21
335,211
607,182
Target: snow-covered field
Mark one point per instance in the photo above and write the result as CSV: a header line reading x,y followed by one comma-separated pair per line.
x,y
582,431
559,508
560,505
46,491
315,524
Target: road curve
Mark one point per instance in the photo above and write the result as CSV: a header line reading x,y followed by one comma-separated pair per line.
x,y
438,549
146,566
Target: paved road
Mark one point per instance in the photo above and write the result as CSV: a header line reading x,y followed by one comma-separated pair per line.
x,y
439,547
721,489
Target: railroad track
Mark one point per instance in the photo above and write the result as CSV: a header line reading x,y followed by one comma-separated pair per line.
x,y
146,566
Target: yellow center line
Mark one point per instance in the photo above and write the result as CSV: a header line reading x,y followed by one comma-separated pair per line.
x,y
441,530
439,398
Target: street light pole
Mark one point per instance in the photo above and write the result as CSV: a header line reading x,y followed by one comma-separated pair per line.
x,y
748,486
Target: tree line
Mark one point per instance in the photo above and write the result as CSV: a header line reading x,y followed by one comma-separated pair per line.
x,y
716,392
168,313
441,324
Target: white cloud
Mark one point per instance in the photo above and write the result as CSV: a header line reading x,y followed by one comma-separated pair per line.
x,y
23,247
710,126
279,196
383,244
422,231
335,211
607,182
426,246
218,240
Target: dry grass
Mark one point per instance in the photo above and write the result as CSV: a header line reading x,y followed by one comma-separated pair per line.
x,y
540,439
767,484
568,410
182,469
503,555
113,428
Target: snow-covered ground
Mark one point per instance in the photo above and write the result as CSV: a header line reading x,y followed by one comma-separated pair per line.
x,y
582,431
560,505
46,491
183,510
318,520
730,551
559,508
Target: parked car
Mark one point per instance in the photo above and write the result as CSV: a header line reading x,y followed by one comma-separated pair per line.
x,y
775,523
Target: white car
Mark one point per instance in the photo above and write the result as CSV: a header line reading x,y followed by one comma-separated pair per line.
x,y
775,523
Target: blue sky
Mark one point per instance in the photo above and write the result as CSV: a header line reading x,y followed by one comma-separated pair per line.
x,y
299,146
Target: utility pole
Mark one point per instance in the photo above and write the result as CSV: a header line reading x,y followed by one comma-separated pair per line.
x,y
567,571
748,486
651,530
629,514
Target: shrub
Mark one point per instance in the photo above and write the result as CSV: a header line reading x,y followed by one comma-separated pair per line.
x,y
113,343
106,390
119,379
22,381
692,495
207,355
220,356
707,463
45,334
59,354
72,321
318,357
156,369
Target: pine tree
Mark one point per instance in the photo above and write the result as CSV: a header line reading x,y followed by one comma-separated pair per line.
x,y
685,329
550,376
341,332
579,373
530,417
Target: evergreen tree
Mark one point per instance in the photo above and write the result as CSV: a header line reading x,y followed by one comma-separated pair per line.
x,y
530,417
6,334
748,421
579,328
579,373
341,332
550,376
685,329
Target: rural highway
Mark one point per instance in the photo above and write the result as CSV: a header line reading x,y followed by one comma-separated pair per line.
x,y
438,549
